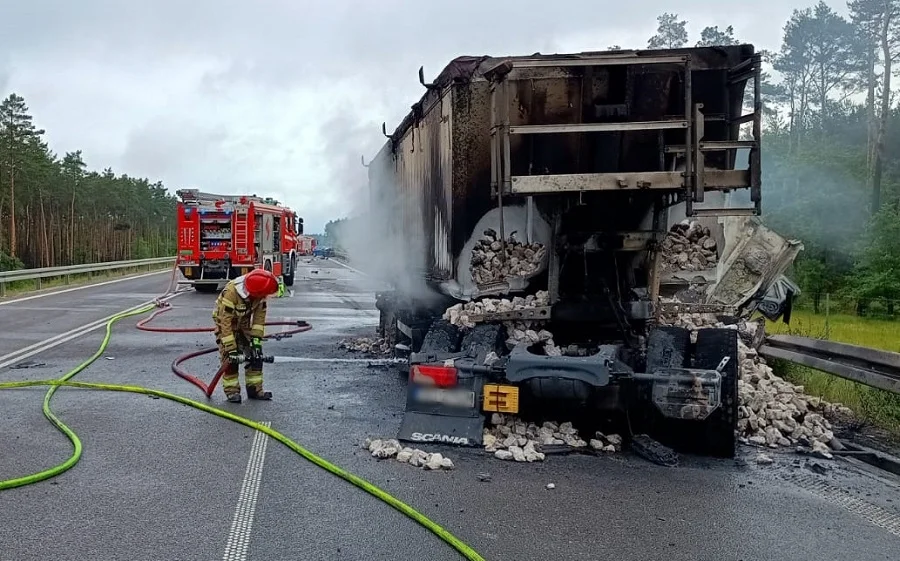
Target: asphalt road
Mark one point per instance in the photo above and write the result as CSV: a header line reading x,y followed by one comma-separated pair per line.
x,y
160,480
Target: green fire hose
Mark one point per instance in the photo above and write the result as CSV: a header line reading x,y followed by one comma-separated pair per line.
x,y
373,490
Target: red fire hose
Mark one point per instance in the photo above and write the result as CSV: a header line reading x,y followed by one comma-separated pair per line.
x,y
143,325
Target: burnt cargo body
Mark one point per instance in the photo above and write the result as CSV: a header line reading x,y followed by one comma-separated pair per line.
x,y
552,180
626,117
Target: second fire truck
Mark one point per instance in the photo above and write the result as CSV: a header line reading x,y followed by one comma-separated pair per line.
x,y
222,237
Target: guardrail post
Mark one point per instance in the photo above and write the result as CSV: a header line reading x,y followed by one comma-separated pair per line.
x,y
2,289
37,283
68,278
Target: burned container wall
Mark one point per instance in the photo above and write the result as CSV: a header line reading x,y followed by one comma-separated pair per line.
x,y
611,94
471,157
410,188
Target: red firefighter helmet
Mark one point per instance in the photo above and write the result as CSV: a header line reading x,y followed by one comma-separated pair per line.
x,y
260,283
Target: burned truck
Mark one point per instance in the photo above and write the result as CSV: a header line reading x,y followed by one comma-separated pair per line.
x,y
523,207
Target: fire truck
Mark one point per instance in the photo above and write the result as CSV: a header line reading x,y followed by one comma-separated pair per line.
x,y
222,237
306,245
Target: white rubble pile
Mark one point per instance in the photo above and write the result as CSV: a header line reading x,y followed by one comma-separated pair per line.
x,y
772,412
366,345
509,438
776,413
689,246
489,267
527,332
385,449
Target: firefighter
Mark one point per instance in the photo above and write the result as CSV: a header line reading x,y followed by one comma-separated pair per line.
x,y
240,319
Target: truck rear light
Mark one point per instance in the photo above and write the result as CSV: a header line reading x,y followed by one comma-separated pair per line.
x,y
440,376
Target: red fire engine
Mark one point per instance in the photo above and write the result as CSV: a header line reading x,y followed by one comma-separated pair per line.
x,y
223,237
306,245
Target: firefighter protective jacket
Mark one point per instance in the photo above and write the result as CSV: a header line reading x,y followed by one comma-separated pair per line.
x,y
236,313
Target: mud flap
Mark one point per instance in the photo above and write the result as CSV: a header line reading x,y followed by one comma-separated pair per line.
x,y
427,428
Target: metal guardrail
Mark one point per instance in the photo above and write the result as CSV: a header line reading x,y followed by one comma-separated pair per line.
x,y
37,275
872,367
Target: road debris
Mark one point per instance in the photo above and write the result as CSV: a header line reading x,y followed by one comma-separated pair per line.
x,y
391,448
689,246
512,439
488,265
764,460
551,486
376,346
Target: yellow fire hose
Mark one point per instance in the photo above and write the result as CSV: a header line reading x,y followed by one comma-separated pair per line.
x,y
377,492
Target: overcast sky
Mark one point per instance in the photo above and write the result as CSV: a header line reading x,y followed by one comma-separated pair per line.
x,y
281,97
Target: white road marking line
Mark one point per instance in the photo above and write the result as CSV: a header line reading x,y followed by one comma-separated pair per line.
x,y
31,350
349,267
104,283
238,543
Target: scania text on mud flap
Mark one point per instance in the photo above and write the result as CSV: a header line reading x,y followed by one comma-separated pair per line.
x,y
221,237
440,438
533,262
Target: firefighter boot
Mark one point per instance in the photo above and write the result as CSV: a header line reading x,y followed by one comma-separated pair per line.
x,y
231,384
255,385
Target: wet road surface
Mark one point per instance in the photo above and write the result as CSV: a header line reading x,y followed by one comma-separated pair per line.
x,y
159,480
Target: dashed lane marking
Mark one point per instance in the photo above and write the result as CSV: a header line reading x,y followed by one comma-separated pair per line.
x,y
239,537
31,350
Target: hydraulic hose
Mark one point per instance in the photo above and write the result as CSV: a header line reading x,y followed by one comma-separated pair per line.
x,y
56,422
143,325
359,482
373,490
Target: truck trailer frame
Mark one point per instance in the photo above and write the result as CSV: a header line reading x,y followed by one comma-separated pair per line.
x,y
593,155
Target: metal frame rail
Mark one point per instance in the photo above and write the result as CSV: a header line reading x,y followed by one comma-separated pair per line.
x,y
49,272
872,367
693,182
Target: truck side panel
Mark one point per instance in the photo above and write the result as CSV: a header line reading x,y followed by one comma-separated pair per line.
x,y
411,193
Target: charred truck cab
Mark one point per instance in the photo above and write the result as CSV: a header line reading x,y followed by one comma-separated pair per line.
x,y
592,157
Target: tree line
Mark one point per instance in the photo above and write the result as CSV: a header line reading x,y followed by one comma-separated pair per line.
x,y
54,212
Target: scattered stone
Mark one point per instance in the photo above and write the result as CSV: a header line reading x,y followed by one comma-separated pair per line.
x,y
821,450
366,345
509,438
491,263
391,448
764,460
434,462
525,332
689,247
503,455
484,477
551,486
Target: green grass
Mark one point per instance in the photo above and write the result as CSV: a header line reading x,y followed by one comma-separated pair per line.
x,y
871,405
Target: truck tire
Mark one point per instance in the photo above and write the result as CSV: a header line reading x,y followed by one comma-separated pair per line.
x,y
442,337
289,277
718,431
485,338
